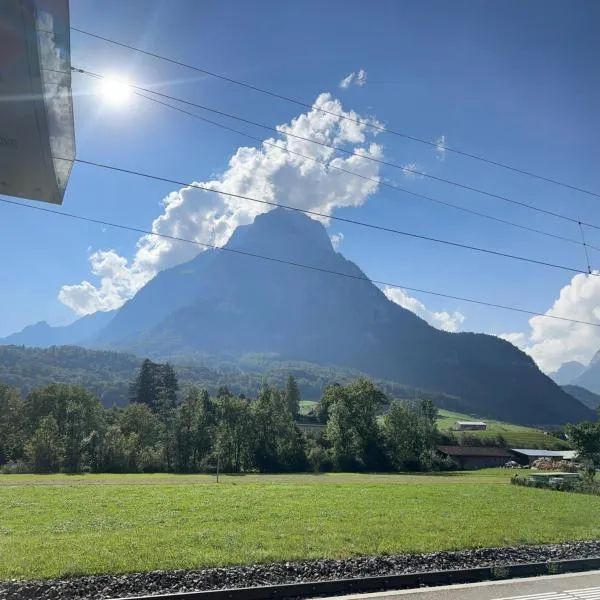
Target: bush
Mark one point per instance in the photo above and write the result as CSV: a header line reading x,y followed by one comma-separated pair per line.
x,y
578,486
432,461
15,467
318,458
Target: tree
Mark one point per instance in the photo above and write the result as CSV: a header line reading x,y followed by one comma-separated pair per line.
x,y
278,443
187,425
352,428
144,389
141,429
166,403
12,434
44,450
116,451
292,396
403,436
428,414
585,437
233,432
410,434
76,413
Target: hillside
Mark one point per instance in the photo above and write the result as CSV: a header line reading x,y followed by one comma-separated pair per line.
x,y
108,374
516,436
231,303
590,378
583,395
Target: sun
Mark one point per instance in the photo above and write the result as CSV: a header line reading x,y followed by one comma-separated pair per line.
x,y
115,90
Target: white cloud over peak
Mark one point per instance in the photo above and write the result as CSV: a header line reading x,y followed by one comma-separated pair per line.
x,y
552,342
355,78
442,320
337,239
266,173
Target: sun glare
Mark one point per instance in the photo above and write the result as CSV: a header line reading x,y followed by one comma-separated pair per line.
x,y
116,91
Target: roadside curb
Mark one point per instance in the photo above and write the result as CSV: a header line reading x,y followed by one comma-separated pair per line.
x,y
384,583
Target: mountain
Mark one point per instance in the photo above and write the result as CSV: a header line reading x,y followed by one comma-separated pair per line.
x,y
229,302
590,378
584,396
43,335
567,372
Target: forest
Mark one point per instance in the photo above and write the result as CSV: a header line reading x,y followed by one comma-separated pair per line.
x,y
162,428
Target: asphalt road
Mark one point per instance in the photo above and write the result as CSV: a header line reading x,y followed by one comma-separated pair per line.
x,y
574,586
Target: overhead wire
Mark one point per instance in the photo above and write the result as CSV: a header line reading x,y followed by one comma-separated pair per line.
x,y
327,216
376,180
404,169
291,263
372,125
322,215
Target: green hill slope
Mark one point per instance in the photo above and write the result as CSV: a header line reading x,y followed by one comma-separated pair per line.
x,y
516,436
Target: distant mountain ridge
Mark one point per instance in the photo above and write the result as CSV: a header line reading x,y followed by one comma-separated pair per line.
x,y
590,377
42,335
583,395
567,372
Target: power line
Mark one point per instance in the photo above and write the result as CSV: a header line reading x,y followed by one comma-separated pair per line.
x,y
291,263
331,166
404,169
367,178
352,153
345,117
333,217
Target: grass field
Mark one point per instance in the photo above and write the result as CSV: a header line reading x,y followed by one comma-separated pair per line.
x,y
69,525
517,436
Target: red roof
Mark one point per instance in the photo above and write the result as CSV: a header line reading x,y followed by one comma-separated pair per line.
x,y
474,451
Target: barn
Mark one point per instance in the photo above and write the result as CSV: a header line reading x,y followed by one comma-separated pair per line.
x,y
476,457
469,426
526,456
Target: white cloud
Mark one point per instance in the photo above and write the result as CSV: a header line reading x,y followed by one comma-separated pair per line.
x,y
442,320
337,239
409,169
552,342
518,339
266,173
359,79
440,147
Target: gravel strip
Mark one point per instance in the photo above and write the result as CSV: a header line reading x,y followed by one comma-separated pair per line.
x,y
163,582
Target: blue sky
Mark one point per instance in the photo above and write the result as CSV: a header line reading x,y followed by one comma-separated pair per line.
x,y
515,82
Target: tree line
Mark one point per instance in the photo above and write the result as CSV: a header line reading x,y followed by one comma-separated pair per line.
x,y
65,428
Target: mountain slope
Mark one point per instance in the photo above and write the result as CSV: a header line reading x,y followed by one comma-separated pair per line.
x,y
43,335
583,395
590,378
227,302
567,372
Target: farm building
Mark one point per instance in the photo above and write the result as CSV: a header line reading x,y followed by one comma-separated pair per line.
x,y
476,457
526,456
470,426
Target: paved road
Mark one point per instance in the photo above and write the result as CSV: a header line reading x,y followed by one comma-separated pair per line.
x,y
574,586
